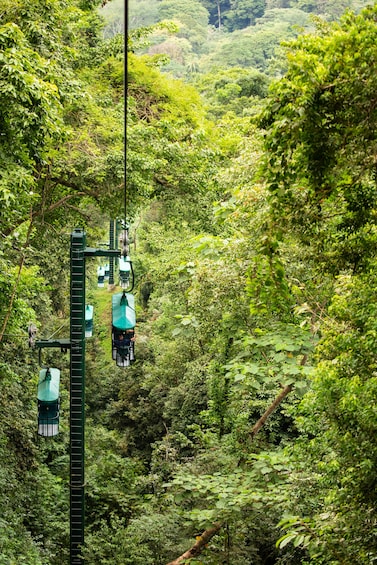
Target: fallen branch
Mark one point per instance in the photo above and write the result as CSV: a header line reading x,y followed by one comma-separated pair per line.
x,y
198,546
278,400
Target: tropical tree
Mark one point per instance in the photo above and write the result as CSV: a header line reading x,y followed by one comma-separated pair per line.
x,y
319,165
243,13
216,9
192,18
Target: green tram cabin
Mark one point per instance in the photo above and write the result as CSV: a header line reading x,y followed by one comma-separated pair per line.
x,y
89,320
124,271
123,328
48,402
101,277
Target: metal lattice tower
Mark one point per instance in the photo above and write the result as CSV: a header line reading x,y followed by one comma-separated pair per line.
x,y
77,397
111,246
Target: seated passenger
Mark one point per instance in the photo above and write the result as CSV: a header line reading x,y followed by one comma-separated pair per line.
x,y
129,336
119,340
124,339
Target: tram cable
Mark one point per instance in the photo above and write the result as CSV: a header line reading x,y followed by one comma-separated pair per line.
x,y
123,303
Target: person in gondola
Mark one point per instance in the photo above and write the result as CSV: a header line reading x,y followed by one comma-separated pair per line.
x,y
130,341
129,337
120,341
124,339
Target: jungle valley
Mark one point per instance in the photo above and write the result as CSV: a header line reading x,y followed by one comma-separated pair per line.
x,y
238,141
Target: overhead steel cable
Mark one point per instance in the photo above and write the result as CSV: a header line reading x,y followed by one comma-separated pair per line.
x,y
125,237
125,107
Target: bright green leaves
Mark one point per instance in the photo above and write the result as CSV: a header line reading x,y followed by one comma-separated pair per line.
x,y
169,154
16,312
225,494
267,283
299,532
29,104
30,118
267,359
187,326
351,336
319,127
62,123
237,90
192,19
337,420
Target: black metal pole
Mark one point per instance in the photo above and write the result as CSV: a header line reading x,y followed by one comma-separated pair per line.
x,y
77,388
111,246
77,397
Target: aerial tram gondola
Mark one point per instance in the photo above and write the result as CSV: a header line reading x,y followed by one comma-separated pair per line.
x,y
89,320
123,320
123,328
124,271
107,271
101,277
123,314
48,402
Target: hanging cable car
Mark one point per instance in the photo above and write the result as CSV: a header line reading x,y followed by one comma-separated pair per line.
x,y
124,271
107,271
48,402
123,328
89,320
101,277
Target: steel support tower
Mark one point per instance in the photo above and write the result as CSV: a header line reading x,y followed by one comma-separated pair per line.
x,y
77,397
77,389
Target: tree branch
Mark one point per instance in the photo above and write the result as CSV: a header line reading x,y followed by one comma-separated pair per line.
x,y
60,202
79,189
41,212
278,400
198,546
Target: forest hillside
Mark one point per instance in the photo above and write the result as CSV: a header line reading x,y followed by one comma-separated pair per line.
x,y
204,37
243,432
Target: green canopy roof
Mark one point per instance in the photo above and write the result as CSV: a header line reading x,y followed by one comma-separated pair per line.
x,y
89,312
48,385
124,264
123,306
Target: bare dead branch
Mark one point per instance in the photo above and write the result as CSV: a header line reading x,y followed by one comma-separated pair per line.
x,y
198,546
278,400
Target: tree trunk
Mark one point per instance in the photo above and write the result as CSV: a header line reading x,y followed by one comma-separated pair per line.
x,y
219,13
198,546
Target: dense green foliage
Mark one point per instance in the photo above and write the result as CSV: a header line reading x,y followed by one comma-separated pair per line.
x,y
226,33
250,408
